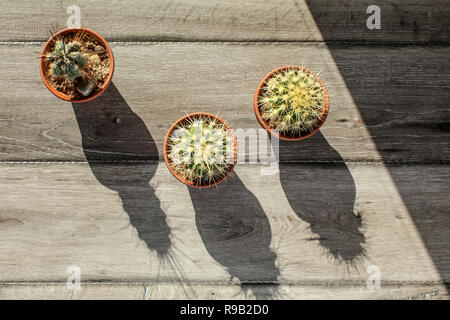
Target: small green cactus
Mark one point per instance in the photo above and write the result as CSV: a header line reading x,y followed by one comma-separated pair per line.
x,y
292,101
201,150
67,60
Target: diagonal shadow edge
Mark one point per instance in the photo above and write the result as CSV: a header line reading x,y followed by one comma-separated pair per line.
x,y
410,192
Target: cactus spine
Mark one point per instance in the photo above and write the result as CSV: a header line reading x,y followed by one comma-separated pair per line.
x,y
292,100
201,149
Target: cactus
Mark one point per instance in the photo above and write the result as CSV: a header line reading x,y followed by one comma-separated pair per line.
x,y
201,150
67,60
292,101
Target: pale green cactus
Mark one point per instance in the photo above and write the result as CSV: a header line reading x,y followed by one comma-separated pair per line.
x,y
201,150
292,101
67,60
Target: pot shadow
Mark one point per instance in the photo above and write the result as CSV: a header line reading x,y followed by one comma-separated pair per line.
x,y
236,233
113,137
322,193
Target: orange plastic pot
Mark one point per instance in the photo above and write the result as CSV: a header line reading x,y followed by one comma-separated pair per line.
x,y
166,149
261,121
43,71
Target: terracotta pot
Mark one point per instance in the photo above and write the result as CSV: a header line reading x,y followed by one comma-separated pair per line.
x,y
265,125
166,149
42,64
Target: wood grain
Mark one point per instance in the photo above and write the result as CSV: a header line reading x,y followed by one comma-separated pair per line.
x,y
135,291
137,223
396,97
212,20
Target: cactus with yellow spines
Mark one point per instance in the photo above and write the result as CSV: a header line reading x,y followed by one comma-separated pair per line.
x,y
201,150
292,101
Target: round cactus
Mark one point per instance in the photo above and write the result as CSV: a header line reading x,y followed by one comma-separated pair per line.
x,y
201,149
292,101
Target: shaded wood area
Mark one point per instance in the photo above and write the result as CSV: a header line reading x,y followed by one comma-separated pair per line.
x,y
421,103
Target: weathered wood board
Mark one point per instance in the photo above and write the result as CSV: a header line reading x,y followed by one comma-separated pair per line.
x,y
233,20
121,223
161,291
404,105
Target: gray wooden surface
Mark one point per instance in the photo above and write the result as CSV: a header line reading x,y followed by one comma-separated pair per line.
x,y
401,93
371,188
233,20
134,291
123,229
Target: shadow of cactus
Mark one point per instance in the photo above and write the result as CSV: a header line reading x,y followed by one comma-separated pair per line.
x,y
113,134
236,232
322,193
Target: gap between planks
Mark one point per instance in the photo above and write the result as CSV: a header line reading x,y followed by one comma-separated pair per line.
x,y
318,283
255,42
349,161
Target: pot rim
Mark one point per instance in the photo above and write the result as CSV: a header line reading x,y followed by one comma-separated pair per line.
x,y
61,95
165,150
263,124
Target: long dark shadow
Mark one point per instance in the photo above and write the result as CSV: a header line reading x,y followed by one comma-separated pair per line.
x,y
323,195
402,94
236,233
111,131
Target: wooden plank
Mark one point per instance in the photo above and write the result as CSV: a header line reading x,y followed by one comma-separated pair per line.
x,y
401,21
117,226
60,291
213,20
166,291
156,83
397,121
